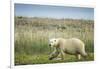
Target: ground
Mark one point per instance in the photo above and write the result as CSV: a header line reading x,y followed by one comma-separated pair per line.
x,y
43,59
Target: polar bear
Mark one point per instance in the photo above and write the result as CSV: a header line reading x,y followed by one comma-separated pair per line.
x,y
63,46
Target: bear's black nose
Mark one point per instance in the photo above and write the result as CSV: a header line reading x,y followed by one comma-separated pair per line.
x,y
49,44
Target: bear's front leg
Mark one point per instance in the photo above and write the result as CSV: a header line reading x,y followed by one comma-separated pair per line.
x,y
54,54
62,54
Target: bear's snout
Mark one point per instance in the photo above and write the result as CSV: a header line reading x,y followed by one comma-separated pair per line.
x,y
49,44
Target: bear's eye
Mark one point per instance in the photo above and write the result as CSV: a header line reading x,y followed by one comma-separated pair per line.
x,y
55,40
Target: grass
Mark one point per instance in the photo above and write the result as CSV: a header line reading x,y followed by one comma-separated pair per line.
x,y
32,35
43,59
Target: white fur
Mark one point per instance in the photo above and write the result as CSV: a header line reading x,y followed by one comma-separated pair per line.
x,y
72,46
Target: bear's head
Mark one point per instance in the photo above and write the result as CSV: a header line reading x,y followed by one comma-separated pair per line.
x,y
53,42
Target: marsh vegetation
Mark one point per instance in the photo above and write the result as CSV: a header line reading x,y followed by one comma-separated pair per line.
x,y
32,33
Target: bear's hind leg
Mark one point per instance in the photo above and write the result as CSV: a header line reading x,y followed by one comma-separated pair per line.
x,y
78,56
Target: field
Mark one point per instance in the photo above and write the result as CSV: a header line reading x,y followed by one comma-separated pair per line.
x,y
32,34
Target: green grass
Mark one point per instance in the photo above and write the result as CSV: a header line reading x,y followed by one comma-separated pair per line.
x,y
43,59
31,37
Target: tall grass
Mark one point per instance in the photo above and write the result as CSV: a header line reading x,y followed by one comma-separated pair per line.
x,y
32,34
